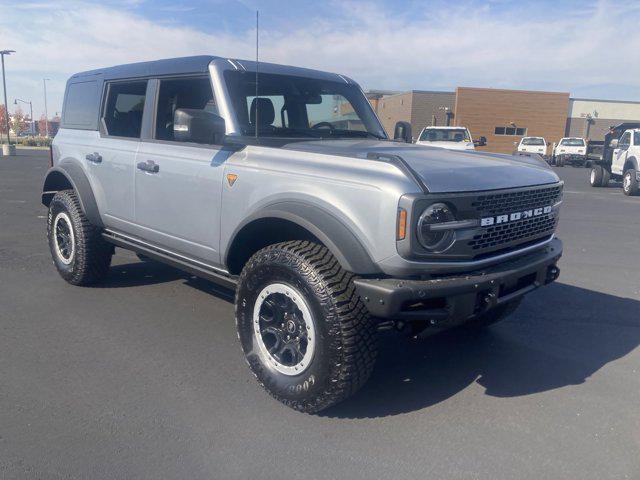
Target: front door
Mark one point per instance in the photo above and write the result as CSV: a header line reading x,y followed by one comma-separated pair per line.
x,y
620,154
178,184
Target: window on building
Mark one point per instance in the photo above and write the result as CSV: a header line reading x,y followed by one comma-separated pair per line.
x,y
192,93
511,131
123,111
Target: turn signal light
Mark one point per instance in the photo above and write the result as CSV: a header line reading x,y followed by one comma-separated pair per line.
x,y
401,231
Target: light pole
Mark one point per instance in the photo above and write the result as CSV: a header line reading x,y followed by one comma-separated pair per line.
x,y
4,87
46,115
32,130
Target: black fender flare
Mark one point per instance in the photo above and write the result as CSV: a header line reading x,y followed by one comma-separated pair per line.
x,y
75,176
331,231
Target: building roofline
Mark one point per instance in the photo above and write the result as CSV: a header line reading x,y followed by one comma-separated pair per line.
x,y
635,102
490,89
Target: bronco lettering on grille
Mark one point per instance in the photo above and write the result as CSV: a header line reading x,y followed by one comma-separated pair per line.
x,y
512,217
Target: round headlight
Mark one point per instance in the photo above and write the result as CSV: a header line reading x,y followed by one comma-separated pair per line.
x,y
434,239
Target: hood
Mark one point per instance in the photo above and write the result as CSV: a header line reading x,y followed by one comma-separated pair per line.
x,y
444,171
448,145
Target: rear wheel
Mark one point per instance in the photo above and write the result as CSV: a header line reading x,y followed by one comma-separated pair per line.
x,y
305,333
79,253
560,161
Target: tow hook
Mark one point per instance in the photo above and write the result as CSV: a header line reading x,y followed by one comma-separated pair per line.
x,y
489,299
553,272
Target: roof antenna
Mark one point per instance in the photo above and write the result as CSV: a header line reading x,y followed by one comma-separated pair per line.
x,y
257,70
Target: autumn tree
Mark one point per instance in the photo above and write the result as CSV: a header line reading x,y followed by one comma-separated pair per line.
x,y
3,126
42,126
18,121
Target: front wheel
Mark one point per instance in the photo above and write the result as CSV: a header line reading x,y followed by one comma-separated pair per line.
x,y
630,184
305,333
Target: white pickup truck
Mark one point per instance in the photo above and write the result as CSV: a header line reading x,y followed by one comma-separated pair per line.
x,y
532,145
620,161
451,138
571,150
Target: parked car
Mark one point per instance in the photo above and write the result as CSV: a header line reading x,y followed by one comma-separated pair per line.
x,y
326,233
537,145
621,161
451,138
570,150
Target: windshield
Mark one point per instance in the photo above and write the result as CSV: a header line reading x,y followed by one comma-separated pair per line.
x,y
291,106
445,135
572,142
532,141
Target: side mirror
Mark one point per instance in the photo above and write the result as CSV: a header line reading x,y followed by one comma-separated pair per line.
x,y
481,142
198,126
613,143
402,132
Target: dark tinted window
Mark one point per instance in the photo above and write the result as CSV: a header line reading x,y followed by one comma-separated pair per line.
x,y
499,131
636,138
521,131
81,105
192,93
510,131
123,110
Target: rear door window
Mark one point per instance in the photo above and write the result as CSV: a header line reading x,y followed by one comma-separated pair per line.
x,y
123,109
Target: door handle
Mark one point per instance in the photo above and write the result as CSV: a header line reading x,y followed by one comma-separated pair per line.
x,y
94,157
149,166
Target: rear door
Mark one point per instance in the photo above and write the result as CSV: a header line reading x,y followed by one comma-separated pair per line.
x,y
178,184
620,153
111,161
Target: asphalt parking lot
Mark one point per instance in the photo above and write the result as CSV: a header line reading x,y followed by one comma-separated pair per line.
x,y
143,377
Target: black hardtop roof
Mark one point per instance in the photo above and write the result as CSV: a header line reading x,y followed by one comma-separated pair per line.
x,y
195,64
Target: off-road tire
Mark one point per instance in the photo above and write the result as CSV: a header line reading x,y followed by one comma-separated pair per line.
x,y
346,346
493,316
630,185
89,263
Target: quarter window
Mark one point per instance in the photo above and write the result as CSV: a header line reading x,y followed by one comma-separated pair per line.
x,y
123,110
636,138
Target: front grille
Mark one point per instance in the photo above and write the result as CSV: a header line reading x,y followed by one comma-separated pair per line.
x,y
500,203
520,230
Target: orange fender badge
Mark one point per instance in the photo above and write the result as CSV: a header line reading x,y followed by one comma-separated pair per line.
x,y
231,178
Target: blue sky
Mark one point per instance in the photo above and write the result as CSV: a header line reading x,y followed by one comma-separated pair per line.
x,y
587,48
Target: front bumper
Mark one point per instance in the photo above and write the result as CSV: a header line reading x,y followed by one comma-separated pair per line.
x,y
454,299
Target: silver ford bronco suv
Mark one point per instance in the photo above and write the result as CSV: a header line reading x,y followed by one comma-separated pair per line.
x,y
283,185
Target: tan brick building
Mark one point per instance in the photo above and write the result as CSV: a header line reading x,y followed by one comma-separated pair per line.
x,y
505,116
418,107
